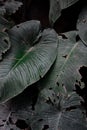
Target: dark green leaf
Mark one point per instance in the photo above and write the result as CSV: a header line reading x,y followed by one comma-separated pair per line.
x,y
31,56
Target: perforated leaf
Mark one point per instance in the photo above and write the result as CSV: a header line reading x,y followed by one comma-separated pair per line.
x,y
65,73
63,114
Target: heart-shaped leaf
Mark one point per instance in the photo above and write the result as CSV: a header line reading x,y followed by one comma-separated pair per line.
x,y
31,55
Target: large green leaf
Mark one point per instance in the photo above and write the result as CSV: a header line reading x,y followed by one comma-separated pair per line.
x,y
82,25
64,113
56,6
31,55
64,74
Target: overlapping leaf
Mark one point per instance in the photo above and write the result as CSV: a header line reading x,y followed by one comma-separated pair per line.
x,y
64,74
47,115
56,6
82,25
31,56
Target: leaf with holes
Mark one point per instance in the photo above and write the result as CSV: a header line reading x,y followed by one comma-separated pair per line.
x,y
9,6
65,73
31,55
82,25
47,115
56,6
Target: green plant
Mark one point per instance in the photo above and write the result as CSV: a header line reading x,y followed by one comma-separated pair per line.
x,y
42,73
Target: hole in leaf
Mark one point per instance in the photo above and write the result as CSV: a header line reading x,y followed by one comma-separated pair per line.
x,y
57,83
63,36
70,108
50,88
21,124
6,41
10,120
78,89
65,56
82,92
17,26
45,127
48,101
62,85
83,112
1,125
4,120
76,81
5,30
54,100
77,38
40,120
83,72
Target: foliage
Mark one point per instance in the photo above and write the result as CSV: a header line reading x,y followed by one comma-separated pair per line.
x,y
56,6
31,55
9,6
42,73
81,25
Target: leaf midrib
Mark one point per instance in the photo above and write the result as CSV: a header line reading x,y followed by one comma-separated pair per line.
x,y
67,58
